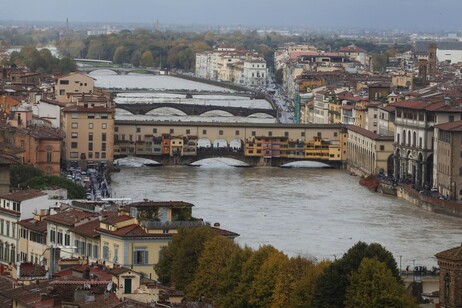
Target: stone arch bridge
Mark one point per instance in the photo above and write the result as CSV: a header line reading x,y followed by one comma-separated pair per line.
x,y
190,109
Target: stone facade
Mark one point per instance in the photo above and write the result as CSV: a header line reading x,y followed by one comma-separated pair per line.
x,y
450,263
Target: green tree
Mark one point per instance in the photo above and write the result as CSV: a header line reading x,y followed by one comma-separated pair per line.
x,y
147,60
121,55
95,49
373,285
331,286
249,271
67,65
178,261
19,174
295,282
209,279
263,286
74,191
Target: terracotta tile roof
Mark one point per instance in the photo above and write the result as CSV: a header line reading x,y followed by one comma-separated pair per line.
x,y
389,108
168,204
52,102
28,269
451,126
114,218
87,229
224,232
23,195
70,217
133,231
351,48
34,225
453,254
368,133
120,270
10,212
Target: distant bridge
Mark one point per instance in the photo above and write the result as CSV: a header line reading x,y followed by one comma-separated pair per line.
x,y
118,70
192,109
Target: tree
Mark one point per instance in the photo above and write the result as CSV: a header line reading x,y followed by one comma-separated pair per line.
x,y
67,65
262,288
210,281
331,286
147,60
373,285
19,174
121,55
178,262
295,283
74,191
249,271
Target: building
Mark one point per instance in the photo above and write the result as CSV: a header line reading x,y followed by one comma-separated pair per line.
x,y
32,239
449,165
450,264
14,207
135,237
49,110
414,138
368,152
89,128
73,83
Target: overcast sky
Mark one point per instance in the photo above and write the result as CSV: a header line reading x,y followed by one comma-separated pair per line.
x,y
386,14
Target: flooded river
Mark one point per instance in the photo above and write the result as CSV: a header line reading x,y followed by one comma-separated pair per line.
x,y
317,213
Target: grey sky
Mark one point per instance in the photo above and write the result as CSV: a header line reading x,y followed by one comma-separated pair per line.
x,y
389,14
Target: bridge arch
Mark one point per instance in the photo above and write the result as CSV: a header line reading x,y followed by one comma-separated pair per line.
x,y
94,71
220,143
121,111
204,143
217,112
166,111
237,144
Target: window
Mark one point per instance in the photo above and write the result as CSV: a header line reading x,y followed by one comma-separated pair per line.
x,y
302,134
60,237
335,134
140,257
116,253
103,155
74,145
116,129
286,134
172,131
89,249
62,92
7,228
270,133
103,137
13,229
90,125
237,133
154,130
220,132
96,154
106,251
104,125
254,133
103,146
67,239
74,115
91,115
319,134
74,154
74,135
188,131
52,236
90,136
75,125
382,148
90,146
204,132
90,155
95,251
451,118
64,82
104,116
138,130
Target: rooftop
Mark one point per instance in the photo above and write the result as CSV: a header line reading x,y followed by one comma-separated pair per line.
x,y
70,217
23,195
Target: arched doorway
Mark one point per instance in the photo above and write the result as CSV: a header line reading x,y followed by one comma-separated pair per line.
x,y
419,183
397,161
429,170
390,165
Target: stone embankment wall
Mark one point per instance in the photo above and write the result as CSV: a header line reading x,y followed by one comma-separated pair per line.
x,y
226,85
428,203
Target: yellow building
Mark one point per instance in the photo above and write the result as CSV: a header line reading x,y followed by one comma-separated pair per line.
x,y
89,129
33,239
135,241
71,84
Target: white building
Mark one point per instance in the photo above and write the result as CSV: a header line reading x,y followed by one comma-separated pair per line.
x,y
49,110
14,207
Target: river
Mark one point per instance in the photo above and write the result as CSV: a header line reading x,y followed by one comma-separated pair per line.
x,y
316,213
